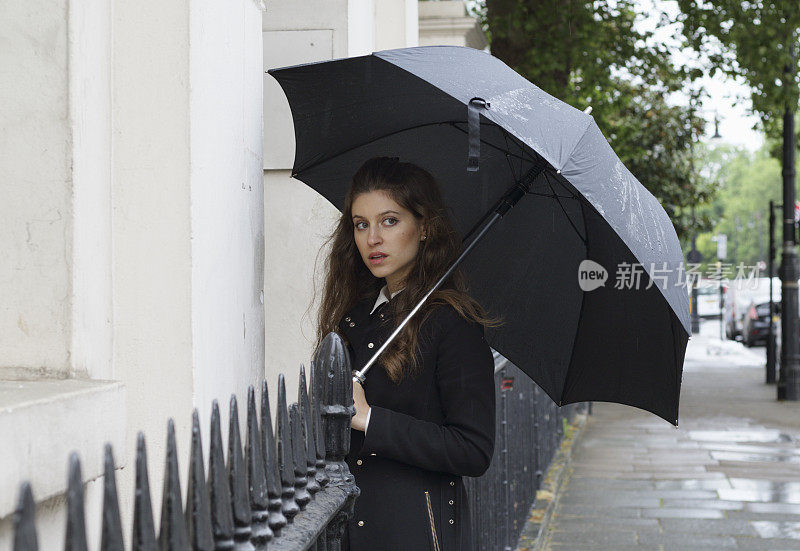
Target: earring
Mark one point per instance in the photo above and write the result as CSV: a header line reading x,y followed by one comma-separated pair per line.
x,y
424,237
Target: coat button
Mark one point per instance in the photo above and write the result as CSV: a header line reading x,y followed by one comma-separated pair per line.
x,y
347,318
452,483
450,502
352,324
361,522
359,462
381,316
371,345
451,521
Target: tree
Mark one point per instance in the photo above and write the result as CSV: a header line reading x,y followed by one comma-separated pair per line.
x,y
754,40
655,141
757,40
589,53
747,182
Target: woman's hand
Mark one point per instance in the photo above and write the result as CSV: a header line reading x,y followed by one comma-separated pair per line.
x,y
359,420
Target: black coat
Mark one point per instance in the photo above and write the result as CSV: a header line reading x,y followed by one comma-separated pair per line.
x,y
423,435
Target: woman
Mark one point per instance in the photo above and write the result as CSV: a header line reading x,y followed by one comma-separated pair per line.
x,y
425,417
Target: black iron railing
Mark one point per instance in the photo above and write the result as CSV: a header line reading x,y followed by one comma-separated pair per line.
x,y
291,489
529,431
288,490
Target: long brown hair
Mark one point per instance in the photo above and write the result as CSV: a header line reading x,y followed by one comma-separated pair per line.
x,y
348,280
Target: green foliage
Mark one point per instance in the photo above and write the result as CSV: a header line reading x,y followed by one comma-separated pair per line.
x,y
654,140
750,39
747,182
589,53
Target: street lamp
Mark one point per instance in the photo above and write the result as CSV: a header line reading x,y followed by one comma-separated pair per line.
x,y
716,126
694,256
789,379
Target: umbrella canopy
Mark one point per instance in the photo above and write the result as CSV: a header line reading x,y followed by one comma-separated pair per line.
x,y
623,341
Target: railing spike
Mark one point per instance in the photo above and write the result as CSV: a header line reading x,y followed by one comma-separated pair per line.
x,y
317,428
198,510
76,525
24,521
144,534
256,476
301,494
271,465
337,410
308,434
172,530
237,479
284,447
111,538
219,492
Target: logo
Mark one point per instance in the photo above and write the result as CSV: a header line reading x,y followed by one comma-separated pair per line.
x,y
591,275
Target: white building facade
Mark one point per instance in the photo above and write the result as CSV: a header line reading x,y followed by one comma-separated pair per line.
x,y
154,252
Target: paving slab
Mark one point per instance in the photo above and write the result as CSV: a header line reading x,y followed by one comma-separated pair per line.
x,y
727,478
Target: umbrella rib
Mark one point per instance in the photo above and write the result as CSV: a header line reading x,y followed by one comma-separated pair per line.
x,y
508,159
564,389
581,237
551,196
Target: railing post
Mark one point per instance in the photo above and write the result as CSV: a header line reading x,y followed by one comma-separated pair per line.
x,y
317,398
537,446
144,532
25,521
318,439
111,538
218,490
172,531
503,437
255,475
240,500
306,426
76,525
272,468
198,509
301,494
337,410
285,458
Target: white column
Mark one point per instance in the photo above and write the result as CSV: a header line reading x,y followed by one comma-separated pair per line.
x,y
447,22
188,218
227,201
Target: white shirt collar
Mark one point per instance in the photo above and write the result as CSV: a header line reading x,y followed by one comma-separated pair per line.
x,y
383,296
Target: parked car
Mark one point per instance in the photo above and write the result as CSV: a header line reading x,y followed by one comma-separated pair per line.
x,y
739,297
755,325
708,298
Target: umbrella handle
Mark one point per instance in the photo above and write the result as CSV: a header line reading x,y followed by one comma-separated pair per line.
x,y
512,196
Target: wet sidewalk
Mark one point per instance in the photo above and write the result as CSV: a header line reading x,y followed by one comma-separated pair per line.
x,y
727,478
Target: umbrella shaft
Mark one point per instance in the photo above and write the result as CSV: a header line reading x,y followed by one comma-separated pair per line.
x,y
497,212
359,375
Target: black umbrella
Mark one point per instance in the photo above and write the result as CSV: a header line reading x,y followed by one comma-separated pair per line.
x,y
581,214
